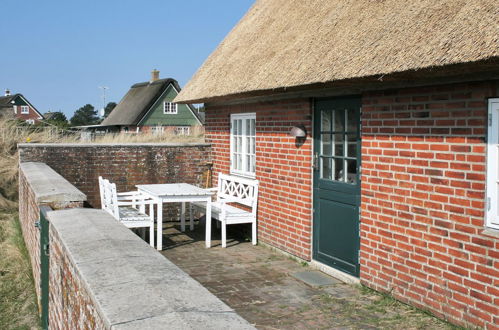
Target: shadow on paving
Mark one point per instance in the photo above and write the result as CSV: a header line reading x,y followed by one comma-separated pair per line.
x,y
258,283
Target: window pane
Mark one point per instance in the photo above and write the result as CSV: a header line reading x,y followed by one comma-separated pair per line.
x,y
339,173
352,145
326,120
338,144
327,149
248,127
326,168
248,145
338,121
253,127
352,120
253,145
352,171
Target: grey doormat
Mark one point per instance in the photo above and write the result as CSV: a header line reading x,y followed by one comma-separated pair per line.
x,y
315,278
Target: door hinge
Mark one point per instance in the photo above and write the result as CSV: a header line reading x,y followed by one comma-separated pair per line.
x,y
37,224
315,164
490,119
46,249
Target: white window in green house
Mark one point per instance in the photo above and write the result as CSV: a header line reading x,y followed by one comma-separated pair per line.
x,y
182,130
492,202
157,130
169,108
24,109
243,144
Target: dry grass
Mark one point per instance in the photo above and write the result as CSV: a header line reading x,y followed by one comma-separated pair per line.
x,y
17,296
11,134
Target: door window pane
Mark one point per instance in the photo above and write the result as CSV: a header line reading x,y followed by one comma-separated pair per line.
x,y
339,174
327,148
352,171
352,120
326,120
338,144
326,168
339,121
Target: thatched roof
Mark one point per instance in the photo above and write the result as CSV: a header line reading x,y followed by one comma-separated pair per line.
x,y
287,43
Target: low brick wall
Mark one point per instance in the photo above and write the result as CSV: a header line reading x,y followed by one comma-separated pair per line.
x,y
39,185
125,164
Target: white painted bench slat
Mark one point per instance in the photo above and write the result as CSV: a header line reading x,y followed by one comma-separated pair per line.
x,y
236,190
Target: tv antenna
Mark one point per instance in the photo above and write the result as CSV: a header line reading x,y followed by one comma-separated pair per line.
x,y
104,89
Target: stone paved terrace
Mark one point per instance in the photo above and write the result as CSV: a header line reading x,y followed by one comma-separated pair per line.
x,y
258,283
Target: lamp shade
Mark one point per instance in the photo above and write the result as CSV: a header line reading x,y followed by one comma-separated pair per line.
x,y
298,131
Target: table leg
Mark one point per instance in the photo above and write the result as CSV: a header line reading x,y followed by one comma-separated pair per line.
x,y
182,218
208,222
159,239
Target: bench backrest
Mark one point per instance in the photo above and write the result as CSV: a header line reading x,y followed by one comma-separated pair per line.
x,y
240,190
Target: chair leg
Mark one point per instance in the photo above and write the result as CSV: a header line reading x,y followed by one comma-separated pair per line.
x,y
191,217
253,233
151,234
224,233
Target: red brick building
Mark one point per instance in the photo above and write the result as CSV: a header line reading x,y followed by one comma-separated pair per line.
x,y
18,106
373,130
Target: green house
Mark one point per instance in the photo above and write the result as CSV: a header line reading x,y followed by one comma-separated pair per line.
x,y
149,107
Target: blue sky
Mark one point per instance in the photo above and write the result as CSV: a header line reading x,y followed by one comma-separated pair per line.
x,y
58,53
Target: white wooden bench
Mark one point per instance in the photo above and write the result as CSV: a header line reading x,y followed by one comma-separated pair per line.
x,y
234,190
123,207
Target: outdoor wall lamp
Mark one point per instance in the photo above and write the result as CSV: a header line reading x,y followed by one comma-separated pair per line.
x,y
298,131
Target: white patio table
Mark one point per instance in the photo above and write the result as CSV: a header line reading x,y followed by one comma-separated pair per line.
x,y
177,193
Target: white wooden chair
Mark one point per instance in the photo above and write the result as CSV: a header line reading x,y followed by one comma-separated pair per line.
x,y
234,190
123,207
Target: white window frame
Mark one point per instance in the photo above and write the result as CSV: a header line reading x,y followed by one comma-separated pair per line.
x,y
492,199
24,109
245,169
157,130
30,121
170,108
183,130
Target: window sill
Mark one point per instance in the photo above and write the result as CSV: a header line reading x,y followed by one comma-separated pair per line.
x,y
246,176
491,232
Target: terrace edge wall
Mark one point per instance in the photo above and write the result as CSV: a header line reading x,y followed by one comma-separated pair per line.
x,y
34,193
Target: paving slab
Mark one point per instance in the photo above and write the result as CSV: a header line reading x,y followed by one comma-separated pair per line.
x,y
315,278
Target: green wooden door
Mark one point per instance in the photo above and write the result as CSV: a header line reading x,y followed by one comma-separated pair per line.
x,y
337,183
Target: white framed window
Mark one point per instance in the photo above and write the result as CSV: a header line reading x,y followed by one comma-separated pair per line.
x,y
492,202
15,109
170,108
183,130
157,130
243,144
30,121
24,109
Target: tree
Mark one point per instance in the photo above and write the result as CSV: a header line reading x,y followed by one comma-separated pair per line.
x,y
109,107
58,119
86,115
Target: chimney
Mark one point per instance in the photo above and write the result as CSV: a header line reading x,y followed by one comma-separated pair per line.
x,y
7,92
154,75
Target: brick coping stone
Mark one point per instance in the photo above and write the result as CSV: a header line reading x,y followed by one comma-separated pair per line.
x,y
48,185
132,285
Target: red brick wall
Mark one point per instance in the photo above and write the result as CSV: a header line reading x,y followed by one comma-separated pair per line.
x,y
423,193
126,165
283,169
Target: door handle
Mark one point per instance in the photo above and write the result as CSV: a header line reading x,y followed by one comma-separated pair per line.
x,y
316,161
